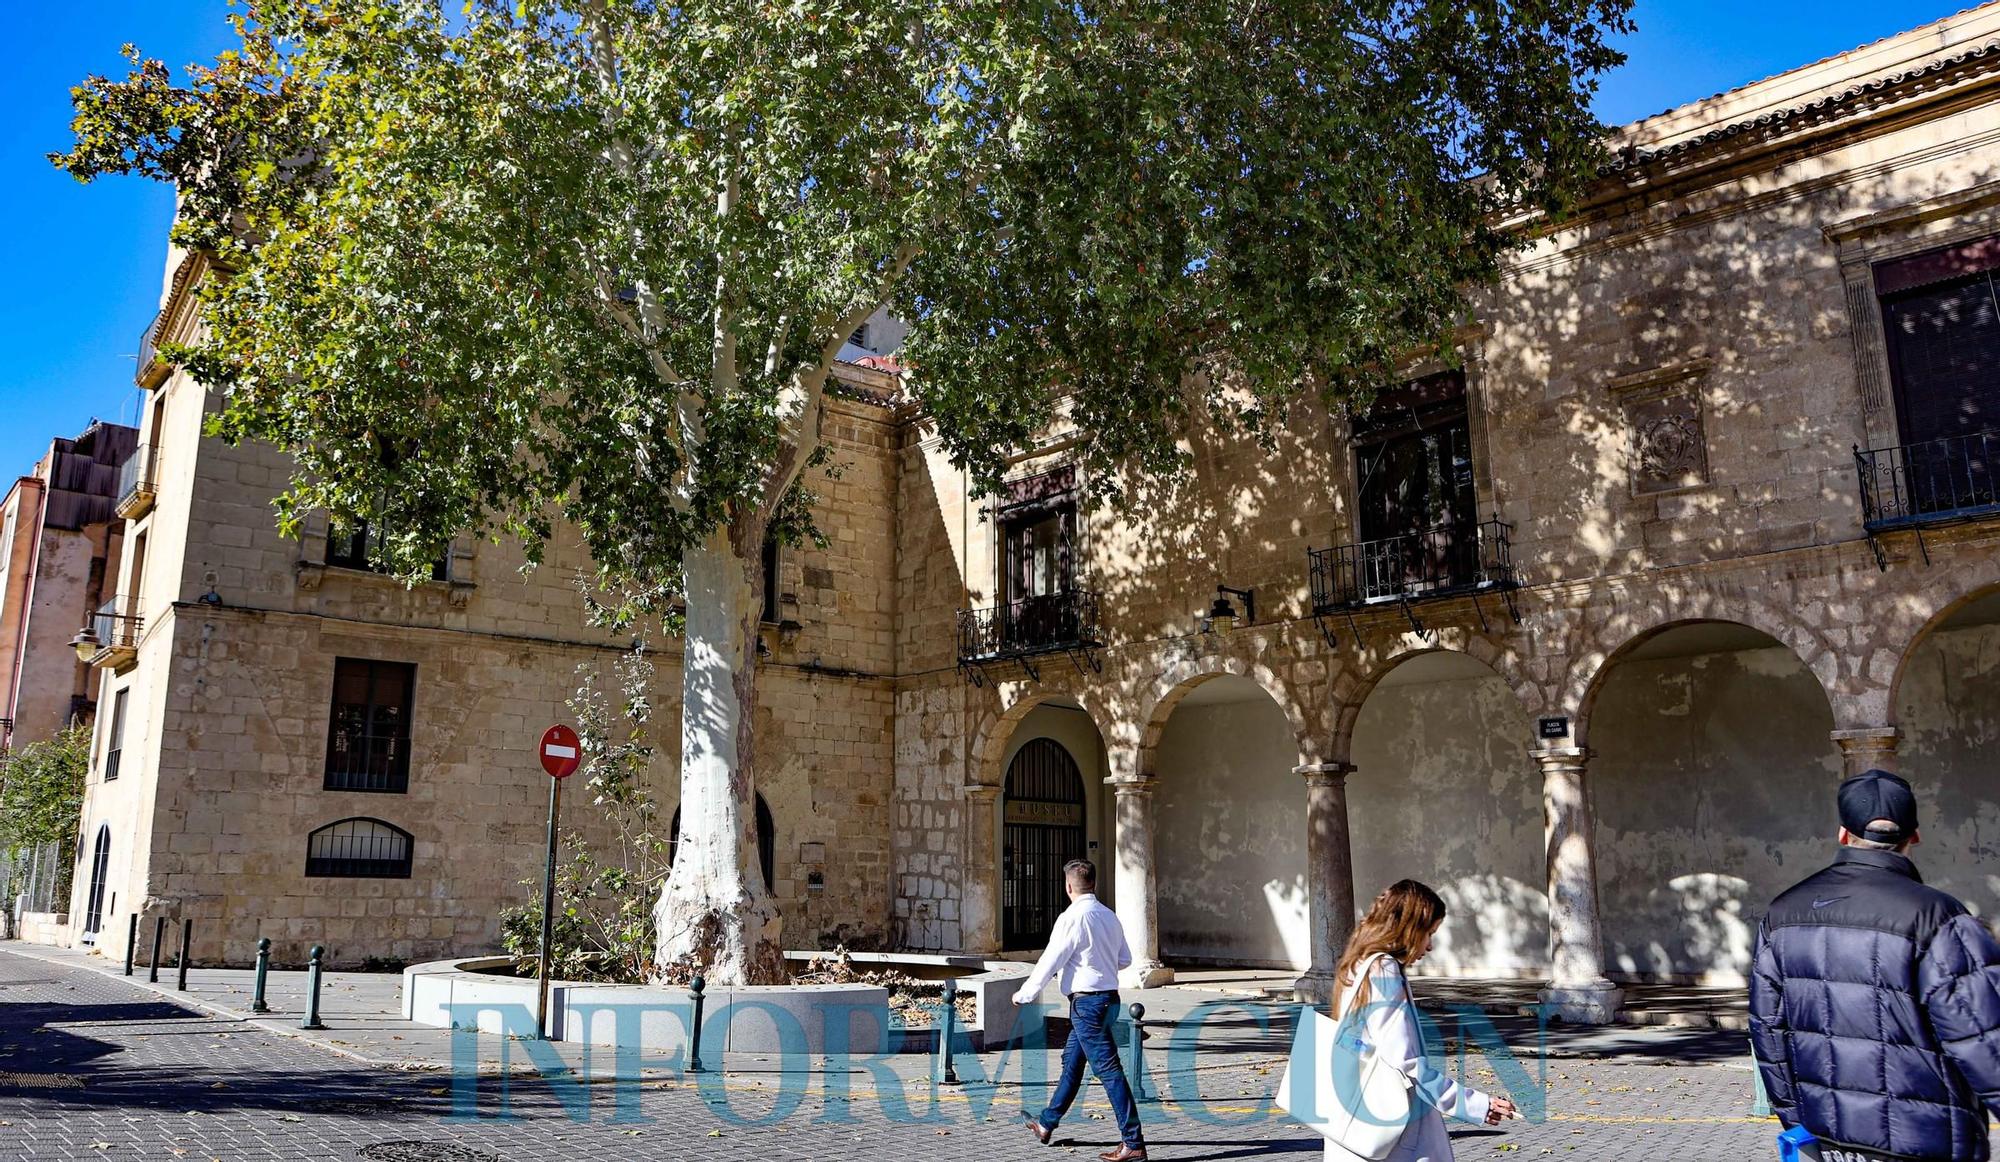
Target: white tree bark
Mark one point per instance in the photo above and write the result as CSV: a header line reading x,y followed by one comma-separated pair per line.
x,y
712,910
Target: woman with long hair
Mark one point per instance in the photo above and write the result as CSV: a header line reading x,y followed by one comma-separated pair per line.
x,y
1395,934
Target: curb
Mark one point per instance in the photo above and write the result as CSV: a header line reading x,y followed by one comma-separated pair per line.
x,y
264,1023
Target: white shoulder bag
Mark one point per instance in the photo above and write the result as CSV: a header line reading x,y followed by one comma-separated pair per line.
x,y
1336,1084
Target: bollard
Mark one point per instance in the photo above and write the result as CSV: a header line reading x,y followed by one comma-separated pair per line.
x,y
947,1070
694,1030
312,989
181,958
131,942
159,934
1142,1088
257,1004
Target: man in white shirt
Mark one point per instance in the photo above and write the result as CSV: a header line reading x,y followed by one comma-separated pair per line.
x,y
1085,952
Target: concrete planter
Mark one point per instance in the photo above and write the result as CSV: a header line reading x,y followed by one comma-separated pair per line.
x,y
654,1019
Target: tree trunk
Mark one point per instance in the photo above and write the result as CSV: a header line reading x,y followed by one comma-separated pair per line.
x,y
714,909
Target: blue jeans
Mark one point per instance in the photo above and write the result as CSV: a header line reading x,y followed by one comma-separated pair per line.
x,y
1090,1016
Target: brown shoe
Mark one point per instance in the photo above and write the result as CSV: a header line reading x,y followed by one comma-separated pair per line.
x,y
1124,1153
1041,1132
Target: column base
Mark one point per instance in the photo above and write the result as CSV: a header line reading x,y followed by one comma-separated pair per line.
x,y
1146,976
1596,1003
1319,989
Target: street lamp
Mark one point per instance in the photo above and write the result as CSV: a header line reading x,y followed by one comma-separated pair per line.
x,y
1222,615
85,644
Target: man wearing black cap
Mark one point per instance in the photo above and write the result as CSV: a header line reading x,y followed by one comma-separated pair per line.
x,y
1875,1001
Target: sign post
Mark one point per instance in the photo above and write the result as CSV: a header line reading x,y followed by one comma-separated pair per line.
x,y
561,753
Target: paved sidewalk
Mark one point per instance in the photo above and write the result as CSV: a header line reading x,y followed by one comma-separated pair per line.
x,y
94,1066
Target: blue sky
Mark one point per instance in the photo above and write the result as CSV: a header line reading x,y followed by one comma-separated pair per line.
x,y
88,259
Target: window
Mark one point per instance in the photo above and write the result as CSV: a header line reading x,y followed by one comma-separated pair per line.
x,y
767,840
1941,318
347,547
1038,538
1417,518
114,745
359,848
860,336
770,579
368,736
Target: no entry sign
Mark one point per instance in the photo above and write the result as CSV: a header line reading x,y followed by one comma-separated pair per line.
x,y
561,751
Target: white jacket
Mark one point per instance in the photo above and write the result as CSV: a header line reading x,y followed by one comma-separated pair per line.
x,y
1390,1026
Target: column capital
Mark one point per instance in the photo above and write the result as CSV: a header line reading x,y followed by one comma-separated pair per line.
x,y
1324,774
1867,735
979,792
1122,785
1560,756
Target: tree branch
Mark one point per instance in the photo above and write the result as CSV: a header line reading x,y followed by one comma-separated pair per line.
x,y
805,396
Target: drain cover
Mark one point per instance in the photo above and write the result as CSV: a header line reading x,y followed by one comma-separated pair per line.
x,y
424,1152
42,1080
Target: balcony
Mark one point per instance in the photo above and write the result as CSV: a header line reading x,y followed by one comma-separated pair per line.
x,y
136,484
152,370
1018,631
1453,561
112,637
1937,482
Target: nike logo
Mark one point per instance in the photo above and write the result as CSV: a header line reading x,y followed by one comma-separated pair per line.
x,y
1824,903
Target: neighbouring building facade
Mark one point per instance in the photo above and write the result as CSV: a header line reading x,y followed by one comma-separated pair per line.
x,y
1582,629
60,536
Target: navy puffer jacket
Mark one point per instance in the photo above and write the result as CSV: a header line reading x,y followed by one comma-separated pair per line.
x,y
1875,1011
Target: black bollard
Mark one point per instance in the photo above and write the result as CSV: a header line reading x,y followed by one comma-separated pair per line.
x,y
1142,1089
312,989
694,1030
257,1004
131,942
947,1072
159,934
181,960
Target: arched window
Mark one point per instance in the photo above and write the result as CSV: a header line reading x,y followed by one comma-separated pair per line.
x,y
767,841
364,848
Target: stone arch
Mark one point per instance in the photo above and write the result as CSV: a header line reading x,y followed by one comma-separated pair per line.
x,y
1431,728
990,753
1223,799
1711,771
1587,670
1351,692
1935,609
1180,681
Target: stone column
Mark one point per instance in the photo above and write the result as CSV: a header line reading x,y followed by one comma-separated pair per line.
x,y
1578,990
1136,882
1329,877
979,911
1871,748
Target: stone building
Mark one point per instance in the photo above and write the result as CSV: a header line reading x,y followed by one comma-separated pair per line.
x,y
1581,628
60,535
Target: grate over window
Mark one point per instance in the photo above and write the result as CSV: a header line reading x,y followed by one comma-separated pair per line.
x,y
359,848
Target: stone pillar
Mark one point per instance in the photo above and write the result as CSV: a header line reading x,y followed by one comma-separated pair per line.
x,y
1871,748
979,911
1329,878
1578,990
1136,883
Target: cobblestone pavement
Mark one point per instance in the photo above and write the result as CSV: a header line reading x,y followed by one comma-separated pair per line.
x,y
92,1067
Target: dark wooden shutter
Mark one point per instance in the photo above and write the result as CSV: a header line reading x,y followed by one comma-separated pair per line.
x,y
1944,358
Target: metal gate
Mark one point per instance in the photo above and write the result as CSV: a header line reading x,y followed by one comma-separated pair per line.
x,y
1044,821
100,866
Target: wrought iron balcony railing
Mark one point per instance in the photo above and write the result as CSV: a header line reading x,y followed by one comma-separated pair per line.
x,y
1056,623
1436,563
135,482
358,761
152,370
1931,483
116,631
